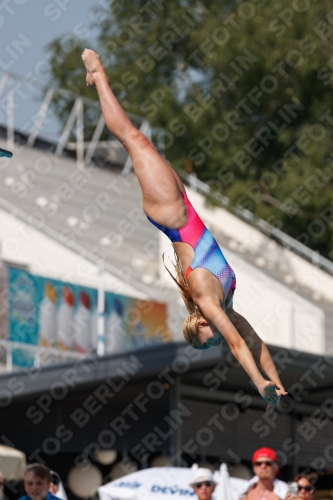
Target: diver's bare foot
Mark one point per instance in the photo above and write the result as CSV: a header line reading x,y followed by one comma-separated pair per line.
x,y
93,66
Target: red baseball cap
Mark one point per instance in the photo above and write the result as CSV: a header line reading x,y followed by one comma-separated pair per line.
x,y
266,453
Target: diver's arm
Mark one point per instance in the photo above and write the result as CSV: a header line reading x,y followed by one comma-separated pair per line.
x,y
214,313
257,347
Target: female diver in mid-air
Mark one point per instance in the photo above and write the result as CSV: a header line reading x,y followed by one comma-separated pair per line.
x,y
208,284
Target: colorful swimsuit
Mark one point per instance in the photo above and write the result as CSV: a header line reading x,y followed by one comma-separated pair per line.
x,y
207,253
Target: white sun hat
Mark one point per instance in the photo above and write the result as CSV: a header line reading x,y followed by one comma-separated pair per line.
x,y
202,474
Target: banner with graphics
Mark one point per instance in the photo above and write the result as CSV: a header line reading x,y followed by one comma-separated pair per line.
x,y
52,313
3,312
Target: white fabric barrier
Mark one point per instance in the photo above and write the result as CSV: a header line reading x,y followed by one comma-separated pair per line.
x,y
168,483
61,493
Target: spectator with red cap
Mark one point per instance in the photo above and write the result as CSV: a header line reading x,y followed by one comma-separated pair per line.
x,y
265,486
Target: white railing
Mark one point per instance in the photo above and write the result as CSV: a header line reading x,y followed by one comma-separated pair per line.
x,y
42,356
13,96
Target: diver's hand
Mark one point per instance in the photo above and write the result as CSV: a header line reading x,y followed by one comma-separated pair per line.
x,y
268,391
270,408
282,391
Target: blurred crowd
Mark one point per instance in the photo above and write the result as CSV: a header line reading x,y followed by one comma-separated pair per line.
x,y
41,483
264,485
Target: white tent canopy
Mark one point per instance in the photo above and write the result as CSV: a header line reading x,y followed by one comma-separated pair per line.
x,y
168,483
12,462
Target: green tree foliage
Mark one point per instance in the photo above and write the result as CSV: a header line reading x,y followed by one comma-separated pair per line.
x,y
243,91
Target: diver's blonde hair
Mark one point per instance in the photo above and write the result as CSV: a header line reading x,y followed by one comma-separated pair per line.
x,y
191,331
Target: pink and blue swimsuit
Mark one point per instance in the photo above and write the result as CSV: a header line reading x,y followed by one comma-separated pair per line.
x,y
207,253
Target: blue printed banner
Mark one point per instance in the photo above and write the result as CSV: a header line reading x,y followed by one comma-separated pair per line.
x,y
52,313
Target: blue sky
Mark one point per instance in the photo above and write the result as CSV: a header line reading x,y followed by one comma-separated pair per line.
x,y
37,23
26,27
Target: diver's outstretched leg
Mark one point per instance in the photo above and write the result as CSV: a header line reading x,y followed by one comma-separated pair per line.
x,y
162,199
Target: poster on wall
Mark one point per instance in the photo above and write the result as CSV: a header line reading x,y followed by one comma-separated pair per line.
x,y
3,314
63,316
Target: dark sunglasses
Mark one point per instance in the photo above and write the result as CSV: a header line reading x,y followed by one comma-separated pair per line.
x,y
309,489
206,483
268,463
